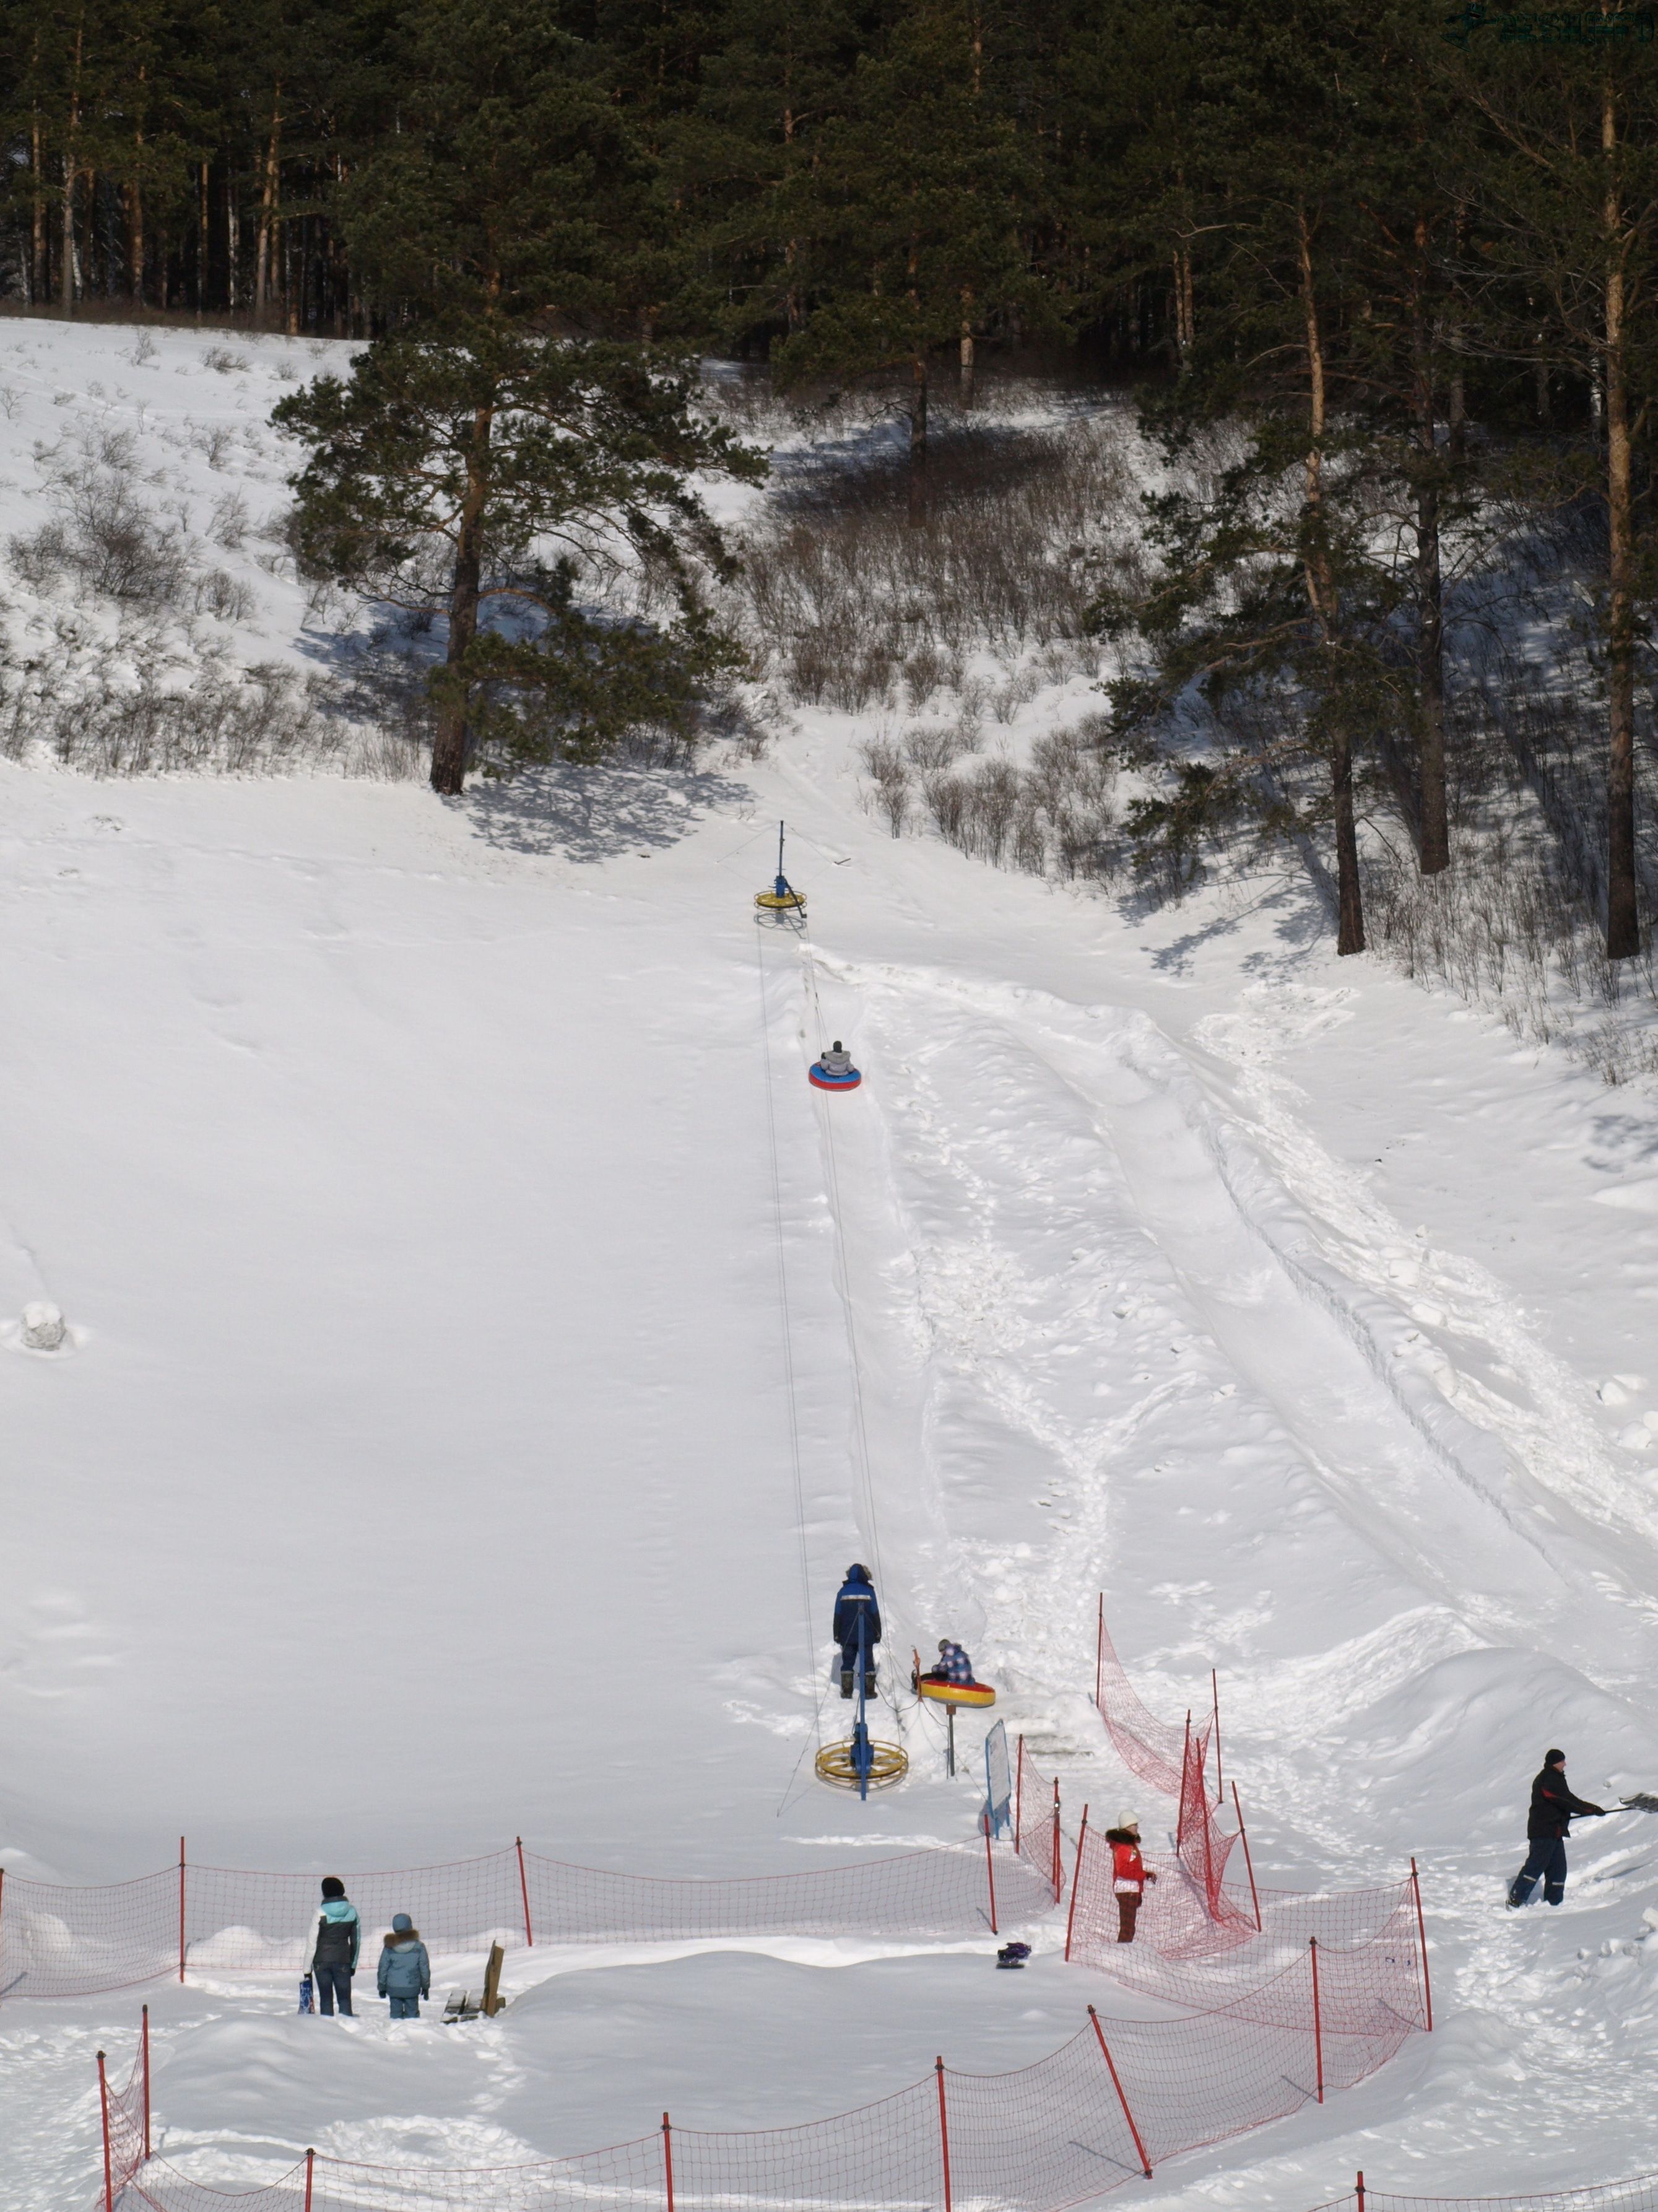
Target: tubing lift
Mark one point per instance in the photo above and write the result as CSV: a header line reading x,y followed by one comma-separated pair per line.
x,y
860,1763
833,1070
782,906
950,1696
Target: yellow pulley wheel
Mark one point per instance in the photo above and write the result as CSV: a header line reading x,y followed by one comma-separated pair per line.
x,y
888,1764
781,902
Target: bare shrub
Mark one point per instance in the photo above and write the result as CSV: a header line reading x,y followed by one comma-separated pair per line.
x,y
214,442
231,521
218,593
888,771
841,595
225,361
107,538
1056,813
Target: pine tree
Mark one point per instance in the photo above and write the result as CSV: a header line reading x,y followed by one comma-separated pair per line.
x,y
502,451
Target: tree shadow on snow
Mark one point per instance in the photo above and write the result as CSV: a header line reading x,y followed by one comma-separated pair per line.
x,y
589,814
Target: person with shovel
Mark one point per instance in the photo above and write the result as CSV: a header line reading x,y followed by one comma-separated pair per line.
x,y
1547,1826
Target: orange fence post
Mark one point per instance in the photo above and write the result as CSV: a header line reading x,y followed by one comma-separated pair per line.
x,y
144,2048
1318,2026
943,2128
103,2106
1422,1935
181,1908
1058,1855
1249,1864
1099,1652
990,1868
1145,2163
1185,1761
524,1891
1076,1879
1359,2190
667,2157
1018,1792
310,2169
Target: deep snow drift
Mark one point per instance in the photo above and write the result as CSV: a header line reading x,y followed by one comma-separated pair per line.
x,y
420,1472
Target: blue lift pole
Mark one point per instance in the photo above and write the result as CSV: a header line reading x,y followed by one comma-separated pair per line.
x,y
863,1757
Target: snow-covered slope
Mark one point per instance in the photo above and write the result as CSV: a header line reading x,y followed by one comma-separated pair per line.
x,y
420,1471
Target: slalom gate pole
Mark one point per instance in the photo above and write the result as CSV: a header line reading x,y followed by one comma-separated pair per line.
x,y
1099,1652
1249,1864
944,2130
990,1868
1059,1856
143,2045
1214,1692
1076,1881
1422,1934
181,1908
1358,2190
1018,1792
1185,1762
667,2157
310,2165
1145,2163
1318,2025
103,2107
524,1891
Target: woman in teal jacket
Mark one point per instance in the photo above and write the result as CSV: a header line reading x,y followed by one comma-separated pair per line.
x,y
405,1971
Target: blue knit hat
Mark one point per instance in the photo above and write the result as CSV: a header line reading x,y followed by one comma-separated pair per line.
x,y
401,1924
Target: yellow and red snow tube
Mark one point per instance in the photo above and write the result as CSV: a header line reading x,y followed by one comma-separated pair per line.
x,y
957,1693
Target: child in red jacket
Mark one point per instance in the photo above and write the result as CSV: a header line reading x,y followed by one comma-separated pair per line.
x,y
1129,1872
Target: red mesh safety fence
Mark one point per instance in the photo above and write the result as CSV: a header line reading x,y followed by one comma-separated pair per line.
x,y
1036,1833
1196,1943
123,2119
1638,2194
62,1942
1066,2130
606,2180
1146,1746
1203,1847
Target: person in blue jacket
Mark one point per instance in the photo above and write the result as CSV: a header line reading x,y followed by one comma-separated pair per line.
x,y
334,1960
856,1601
405,1971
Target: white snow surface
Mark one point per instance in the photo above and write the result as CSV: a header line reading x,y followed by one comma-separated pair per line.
x,y
417,1471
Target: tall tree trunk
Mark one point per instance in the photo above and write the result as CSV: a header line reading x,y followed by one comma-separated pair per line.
x,y
1435,829
918,443
203,236
135,242
1322,597
40,275
68,272
1622,918
966,380
66,249
262,273
449,745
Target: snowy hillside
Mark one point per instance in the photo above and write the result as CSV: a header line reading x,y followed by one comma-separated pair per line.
x,y
487,1353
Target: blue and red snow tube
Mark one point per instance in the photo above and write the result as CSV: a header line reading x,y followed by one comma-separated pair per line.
x,y
825,1079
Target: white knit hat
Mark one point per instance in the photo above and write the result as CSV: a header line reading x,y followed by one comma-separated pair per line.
x,y
1128,1820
